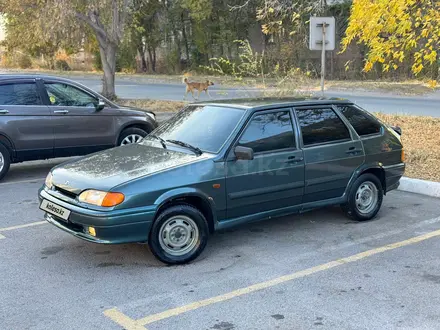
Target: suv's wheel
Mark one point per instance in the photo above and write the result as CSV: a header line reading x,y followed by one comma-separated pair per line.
x,y
131,135
179,235
5,161
365,198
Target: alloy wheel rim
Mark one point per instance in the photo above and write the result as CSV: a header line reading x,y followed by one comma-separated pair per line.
x,y
2,162
130,139
178,235
367,197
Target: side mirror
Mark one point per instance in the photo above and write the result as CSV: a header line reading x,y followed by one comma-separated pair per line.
x,y
397,129
244,153
100,105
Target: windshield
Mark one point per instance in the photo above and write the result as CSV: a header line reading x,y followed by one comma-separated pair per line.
x,y
204,127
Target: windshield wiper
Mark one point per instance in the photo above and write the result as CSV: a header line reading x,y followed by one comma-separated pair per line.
x,y
162,141
196,150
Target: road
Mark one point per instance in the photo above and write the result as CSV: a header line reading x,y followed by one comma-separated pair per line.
x,y
386,103
318,270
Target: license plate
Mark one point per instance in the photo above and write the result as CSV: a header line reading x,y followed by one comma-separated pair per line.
x,y
55,209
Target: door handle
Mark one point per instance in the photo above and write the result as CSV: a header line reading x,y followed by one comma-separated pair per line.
x,y
4,112
293,160
63,112
353,151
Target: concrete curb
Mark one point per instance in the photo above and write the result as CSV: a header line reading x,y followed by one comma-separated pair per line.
x,y
428,188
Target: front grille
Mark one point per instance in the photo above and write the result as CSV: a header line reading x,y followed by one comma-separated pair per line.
x,y
65,192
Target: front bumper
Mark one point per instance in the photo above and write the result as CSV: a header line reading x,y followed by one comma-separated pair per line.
x,y
112,227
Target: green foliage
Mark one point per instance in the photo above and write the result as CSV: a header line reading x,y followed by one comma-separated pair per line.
x,y
249,63
24,62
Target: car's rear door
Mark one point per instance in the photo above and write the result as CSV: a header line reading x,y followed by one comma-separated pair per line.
x,y
332,153
25,120
274,179
79,128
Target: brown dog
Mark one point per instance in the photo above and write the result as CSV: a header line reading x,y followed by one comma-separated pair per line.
x,y
197,86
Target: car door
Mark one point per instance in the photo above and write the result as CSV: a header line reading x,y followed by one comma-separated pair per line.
x,y
25,120
274,179
79,128
331,153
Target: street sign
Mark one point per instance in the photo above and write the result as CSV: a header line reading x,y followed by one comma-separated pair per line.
x,y
322,37
316,25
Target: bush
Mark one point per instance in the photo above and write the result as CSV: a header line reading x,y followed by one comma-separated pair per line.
x,y
62,65
24,62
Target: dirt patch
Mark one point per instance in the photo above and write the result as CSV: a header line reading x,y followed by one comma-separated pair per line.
x,y
153,105
421,142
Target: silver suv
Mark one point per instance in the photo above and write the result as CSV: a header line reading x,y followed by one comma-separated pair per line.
x,y
45,117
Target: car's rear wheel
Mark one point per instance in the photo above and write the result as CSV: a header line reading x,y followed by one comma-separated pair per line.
x,y
5,161
179,234
131,135
365,198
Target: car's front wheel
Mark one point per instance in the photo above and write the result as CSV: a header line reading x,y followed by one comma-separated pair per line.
x,y
5,161
131,135
365,198
179,234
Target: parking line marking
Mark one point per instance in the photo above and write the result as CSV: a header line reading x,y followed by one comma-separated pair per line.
x,y
23,226
2,237
267,284
123,320
23,181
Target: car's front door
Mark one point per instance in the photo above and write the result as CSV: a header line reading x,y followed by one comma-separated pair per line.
x,y
79,128
331,153
274,179
25,120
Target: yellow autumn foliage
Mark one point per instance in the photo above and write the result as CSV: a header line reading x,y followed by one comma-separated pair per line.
x,y
394,30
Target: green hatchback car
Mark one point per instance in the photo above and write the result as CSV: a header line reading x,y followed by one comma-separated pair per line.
x,y
217,165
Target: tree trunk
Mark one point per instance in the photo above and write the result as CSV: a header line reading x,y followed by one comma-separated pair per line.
x,y
185,39
108,59
144,66
150,55
153,64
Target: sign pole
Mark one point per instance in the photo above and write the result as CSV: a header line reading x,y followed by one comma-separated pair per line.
x,y
323,58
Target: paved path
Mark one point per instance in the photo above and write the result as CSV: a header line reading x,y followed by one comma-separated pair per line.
x,y
387,103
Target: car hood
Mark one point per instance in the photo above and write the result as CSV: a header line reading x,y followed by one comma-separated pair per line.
x,y
110,168
134,110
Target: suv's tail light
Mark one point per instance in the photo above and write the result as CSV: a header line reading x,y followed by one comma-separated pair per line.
x,y
402,156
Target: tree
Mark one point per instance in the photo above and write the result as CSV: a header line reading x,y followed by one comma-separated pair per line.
x,y
26,31
396,30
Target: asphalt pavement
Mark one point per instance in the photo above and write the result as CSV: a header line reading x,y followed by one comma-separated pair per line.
x,y
375,102
318,270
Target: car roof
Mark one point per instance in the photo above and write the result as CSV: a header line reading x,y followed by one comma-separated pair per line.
x,y
273,102
11,76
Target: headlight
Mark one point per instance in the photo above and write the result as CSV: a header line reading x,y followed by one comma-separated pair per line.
x,y
48,181
101,198
151,115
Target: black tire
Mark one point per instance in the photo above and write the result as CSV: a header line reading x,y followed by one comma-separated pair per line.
x,y
167,217
6,157
352,209
131,131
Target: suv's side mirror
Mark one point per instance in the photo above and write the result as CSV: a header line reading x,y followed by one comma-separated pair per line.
x,y
100,105
244,153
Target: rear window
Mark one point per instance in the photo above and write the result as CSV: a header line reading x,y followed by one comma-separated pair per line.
x,y
363,122
19,94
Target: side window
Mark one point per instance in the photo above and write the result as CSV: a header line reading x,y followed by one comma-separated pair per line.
x,y
269,132
321,126
19,94
362,121
68,96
